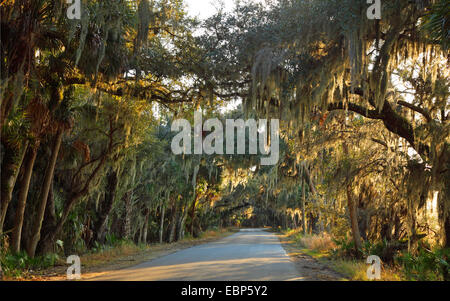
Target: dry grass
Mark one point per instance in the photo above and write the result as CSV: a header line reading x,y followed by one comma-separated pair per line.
x,y
356,270
108,255
320,243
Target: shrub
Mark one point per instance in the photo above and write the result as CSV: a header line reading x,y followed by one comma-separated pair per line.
x,y
345,248
426,265
15,264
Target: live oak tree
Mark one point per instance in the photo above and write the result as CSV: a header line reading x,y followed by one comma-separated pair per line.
x,y
298,59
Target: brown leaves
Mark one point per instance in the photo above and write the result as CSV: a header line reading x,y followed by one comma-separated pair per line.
x,y
40,117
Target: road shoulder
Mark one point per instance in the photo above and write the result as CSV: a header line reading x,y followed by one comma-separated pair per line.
x,y
309,267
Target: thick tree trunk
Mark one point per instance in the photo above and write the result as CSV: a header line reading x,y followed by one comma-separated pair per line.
x,y
49,219
353,218
9,172
22,198
43,196
106,206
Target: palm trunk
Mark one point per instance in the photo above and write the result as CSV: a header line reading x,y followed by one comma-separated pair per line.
x,y
49,220
22,199
161,228
42,202
10,170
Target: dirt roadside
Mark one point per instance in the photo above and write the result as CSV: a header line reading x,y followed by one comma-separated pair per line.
x,y
310,268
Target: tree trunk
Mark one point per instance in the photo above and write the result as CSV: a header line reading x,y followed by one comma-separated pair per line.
x,y
106,206
161,228
353,219
145,226
49,239
10,170
127,217
22,198
49,219
182,223
173,223
447,231
303,207
446,271
192,215
42,202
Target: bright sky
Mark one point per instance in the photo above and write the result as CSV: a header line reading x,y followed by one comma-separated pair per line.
x,y
206,8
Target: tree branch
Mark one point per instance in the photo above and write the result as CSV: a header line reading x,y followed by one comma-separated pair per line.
x,y
417,109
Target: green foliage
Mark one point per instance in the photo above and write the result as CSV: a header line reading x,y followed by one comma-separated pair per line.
x,y
437,23
345,248
15,264
112,241
425,265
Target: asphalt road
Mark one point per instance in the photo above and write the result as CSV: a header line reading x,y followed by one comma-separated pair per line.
x,y
251,254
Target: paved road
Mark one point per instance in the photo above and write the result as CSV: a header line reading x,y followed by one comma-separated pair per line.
x,y
251,254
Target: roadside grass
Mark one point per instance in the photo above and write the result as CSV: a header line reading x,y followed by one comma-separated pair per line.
x,y
111,253
321,248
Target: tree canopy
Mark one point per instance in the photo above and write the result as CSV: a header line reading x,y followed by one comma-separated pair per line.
x,y
87,107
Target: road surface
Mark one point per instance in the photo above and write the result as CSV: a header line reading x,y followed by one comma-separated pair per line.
x,y
251,254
